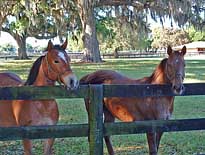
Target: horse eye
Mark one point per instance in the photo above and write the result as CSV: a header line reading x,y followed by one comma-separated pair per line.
x,y
56,61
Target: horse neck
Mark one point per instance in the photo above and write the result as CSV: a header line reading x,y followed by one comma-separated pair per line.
x,y
42,79
157,77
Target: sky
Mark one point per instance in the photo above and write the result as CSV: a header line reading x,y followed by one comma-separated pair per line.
x,y
7,38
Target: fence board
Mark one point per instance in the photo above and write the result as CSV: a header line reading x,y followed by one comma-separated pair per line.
x,y
154,126
41,132
81,130
44,92
56,92
146,90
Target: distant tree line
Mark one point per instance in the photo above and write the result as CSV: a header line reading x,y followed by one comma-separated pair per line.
x,y
12,50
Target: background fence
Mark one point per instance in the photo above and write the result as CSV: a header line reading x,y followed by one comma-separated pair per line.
x,y
96,127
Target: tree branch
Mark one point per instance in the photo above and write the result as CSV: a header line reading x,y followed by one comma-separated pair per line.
x,y
135,3
4,29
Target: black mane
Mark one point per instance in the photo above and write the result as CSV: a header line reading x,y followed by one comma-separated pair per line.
x,y
34,71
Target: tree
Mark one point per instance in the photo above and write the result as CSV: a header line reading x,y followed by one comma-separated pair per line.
x,y
114,36
196,35
162,37
91,45
86,9
6,8
8,48
39,19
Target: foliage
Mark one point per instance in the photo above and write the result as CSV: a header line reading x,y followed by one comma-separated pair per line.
x,y
162,37
182,12
106,33
39,19
113,34
196,35
8,48
75,43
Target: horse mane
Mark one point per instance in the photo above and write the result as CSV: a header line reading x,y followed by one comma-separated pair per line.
x,y
34,71
159,70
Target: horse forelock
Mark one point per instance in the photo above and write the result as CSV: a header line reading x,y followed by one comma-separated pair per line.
x,y
34,71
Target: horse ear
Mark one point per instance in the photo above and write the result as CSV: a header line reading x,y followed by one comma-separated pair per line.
x,y
183,51
50,45
64,45
169,50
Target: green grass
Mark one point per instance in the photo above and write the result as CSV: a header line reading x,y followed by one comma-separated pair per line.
x,y
73,111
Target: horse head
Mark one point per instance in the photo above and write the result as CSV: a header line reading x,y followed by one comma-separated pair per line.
x,y
57,65
175,69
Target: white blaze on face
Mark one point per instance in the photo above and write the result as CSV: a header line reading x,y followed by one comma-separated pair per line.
x,y
62,56
177,60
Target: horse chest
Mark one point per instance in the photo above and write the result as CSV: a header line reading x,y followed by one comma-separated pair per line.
x,y
44,113
157,108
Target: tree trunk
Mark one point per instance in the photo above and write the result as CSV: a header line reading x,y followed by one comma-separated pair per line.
x,y
116,54
21,42
90,42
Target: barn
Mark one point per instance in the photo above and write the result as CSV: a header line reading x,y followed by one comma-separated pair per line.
x,y
194,48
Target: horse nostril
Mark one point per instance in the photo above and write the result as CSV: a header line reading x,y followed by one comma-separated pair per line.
x,y
174,87
71,83
182,88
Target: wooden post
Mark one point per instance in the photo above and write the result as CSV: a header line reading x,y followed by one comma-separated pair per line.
x,y
96,120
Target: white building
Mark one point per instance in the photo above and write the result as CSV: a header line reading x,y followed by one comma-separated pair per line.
x,y
194,48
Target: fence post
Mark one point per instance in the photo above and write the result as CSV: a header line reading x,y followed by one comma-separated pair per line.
x,y
96,120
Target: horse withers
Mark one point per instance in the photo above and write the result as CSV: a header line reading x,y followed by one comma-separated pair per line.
x,y
171,70
46,70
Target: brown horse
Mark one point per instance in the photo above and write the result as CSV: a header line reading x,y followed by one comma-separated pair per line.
x,y
169,71
46,70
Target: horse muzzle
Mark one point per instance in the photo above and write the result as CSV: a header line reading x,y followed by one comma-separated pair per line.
x,y
70,81
178,89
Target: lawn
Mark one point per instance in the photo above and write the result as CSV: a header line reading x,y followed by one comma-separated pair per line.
x,y
73,111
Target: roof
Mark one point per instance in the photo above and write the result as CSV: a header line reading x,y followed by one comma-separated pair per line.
x,y
196,44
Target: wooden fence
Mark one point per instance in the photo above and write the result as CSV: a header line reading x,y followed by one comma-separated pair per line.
x,y
96,126
128,54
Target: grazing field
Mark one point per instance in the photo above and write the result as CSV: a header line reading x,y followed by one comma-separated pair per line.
x,y
73,111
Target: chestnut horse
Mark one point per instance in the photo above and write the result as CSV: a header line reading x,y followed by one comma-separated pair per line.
x,y
171,70
46,70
